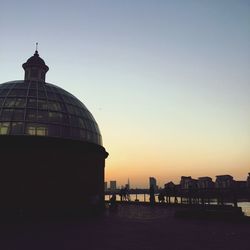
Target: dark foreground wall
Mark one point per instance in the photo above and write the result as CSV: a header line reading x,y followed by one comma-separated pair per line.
x,y
48,176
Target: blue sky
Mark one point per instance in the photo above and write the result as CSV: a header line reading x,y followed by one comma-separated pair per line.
x,y
167,81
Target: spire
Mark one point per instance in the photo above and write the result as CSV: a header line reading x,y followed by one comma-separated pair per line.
x,y
36,51
35,67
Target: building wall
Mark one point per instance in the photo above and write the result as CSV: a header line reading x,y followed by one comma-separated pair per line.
x,y
50,176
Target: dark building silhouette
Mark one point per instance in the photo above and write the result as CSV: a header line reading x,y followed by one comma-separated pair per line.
x,y
224,181
205,182
52,158
113,186
188,182
153,183
169,185
248,180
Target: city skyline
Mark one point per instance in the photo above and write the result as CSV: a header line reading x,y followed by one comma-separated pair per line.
x,y
162,184
168,82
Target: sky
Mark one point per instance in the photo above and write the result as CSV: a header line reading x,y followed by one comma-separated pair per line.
x,y
168,82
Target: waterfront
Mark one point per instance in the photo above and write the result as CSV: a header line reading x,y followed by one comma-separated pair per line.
x,y
139,227
145,197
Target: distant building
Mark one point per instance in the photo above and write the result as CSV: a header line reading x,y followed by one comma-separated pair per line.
x,y
112,185
205,183
188,182
248,180
127,186
105,186
185,182
169,185
170,189
152,182
240,184
224,181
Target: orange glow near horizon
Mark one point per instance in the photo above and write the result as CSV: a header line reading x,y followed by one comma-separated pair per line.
x,y
139,161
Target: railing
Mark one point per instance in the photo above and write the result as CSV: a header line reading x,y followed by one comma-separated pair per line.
x,y
187,196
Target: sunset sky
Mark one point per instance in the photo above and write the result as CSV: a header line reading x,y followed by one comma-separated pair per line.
x,y
168,82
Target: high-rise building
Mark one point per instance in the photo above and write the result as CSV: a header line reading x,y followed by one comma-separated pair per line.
x,y
248,180
112,185
153,183
127,186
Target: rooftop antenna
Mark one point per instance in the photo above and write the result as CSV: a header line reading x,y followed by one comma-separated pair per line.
x,y
36,46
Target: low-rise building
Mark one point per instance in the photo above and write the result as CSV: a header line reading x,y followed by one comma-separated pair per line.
x,y
170,185
187,182
240,184
224,181
205,183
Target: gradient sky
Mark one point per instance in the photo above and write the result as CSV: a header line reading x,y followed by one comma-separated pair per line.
x,y
167,81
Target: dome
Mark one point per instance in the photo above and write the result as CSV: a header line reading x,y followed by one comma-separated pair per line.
x,y
33,107
43,109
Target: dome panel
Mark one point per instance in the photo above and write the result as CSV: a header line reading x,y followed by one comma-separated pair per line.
x,y
36,108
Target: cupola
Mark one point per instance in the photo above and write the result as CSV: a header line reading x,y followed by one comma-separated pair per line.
x,y
35,68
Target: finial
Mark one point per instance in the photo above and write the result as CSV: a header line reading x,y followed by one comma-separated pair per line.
x,y
36,52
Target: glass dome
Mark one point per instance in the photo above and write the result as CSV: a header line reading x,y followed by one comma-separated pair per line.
x,y
37,108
